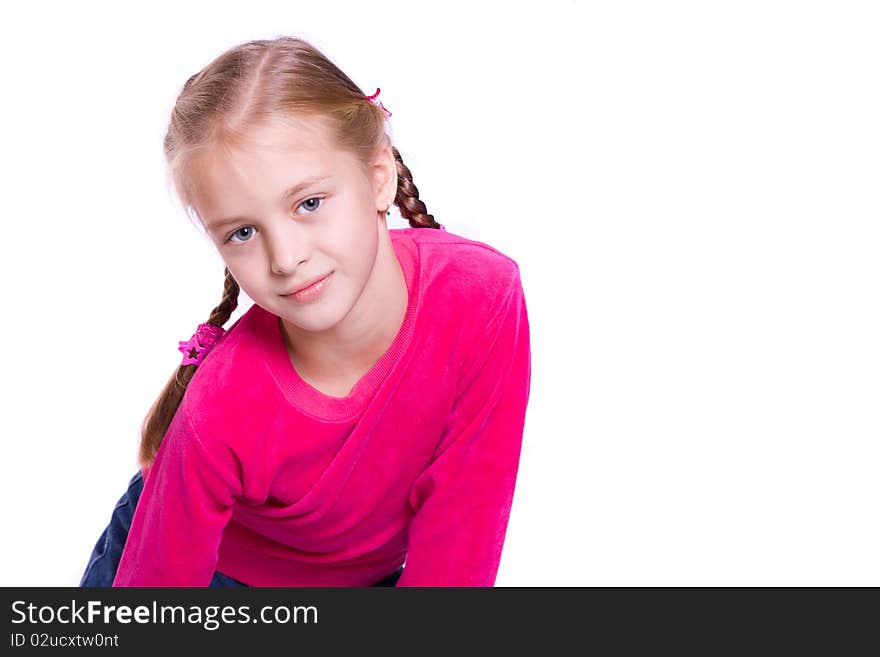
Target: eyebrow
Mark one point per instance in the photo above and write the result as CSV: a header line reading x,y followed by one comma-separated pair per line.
x,y
296,189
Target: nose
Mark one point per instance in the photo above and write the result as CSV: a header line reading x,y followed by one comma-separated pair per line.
x,y
288,248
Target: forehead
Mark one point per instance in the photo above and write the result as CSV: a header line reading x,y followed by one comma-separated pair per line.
x,y
297,133
300,142
231,178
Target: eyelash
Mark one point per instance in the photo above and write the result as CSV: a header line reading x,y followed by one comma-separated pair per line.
x,y
311,198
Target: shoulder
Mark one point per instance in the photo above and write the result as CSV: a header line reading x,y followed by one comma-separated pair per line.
x,y
464,271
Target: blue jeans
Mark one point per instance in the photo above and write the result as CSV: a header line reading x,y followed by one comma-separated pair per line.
x,y
101,570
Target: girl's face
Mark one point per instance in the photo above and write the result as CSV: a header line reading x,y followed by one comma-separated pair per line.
x,y
292,210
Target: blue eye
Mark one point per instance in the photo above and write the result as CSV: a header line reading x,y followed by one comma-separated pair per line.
x,y
238,231
311,208
314,198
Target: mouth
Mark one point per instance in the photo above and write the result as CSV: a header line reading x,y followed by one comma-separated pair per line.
x,y
309,289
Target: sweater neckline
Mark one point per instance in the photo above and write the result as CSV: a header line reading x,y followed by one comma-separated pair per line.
x,y
311,401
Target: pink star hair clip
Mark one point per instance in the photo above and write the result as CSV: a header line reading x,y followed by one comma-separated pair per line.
x,y
375,100
203,340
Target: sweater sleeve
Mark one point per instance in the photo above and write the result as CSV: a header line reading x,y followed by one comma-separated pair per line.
x,y
186,503
462,500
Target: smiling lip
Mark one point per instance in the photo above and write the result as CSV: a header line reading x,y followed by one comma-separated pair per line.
x,y
309,289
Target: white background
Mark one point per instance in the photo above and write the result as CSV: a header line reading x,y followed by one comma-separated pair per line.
x,y
690,190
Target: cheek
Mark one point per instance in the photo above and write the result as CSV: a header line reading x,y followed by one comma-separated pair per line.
x,y
353,244
362,250
244,276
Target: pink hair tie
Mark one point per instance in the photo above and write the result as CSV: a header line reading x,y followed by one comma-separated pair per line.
x,y
202,341
375,100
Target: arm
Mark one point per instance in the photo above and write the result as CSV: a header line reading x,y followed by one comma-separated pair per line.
x,y
463,498
185,505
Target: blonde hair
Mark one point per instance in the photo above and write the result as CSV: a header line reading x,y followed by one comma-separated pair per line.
x,y
252,85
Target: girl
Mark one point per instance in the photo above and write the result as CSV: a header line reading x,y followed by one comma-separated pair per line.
x,y
361,423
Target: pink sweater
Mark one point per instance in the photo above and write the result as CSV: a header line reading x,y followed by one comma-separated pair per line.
x,y
268,480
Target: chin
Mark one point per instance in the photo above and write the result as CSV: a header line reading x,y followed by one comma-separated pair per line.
x,y
312,318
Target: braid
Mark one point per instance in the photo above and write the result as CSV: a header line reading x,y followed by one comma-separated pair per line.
x,y
412,208
221,314
162,412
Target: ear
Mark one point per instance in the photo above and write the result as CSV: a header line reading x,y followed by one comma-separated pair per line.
x,y
384,178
